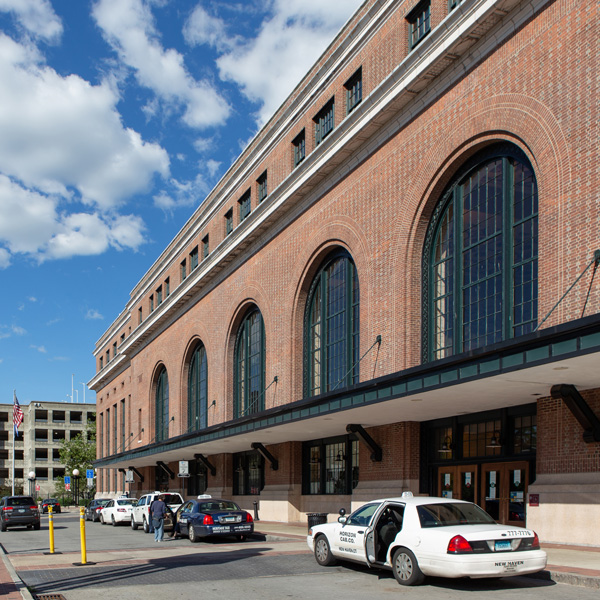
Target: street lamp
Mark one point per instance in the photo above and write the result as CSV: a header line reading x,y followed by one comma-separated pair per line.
x,y
76,486
31,478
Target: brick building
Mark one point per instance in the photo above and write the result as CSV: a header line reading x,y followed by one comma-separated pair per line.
x,y
392,288
37,448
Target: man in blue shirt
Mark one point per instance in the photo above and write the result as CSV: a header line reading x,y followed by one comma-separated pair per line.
x,y
158,510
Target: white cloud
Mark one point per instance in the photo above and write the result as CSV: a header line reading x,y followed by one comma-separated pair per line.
x,y
212,166
4,258
93,314
36,16
128,25
91,150
41,349
18,330
268,67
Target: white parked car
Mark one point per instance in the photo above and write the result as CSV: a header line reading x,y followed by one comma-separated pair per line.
x,y
419,536
117,511
141,511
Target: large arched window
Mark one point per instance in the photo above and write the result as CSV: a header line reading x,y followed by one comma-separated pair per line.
x,y
197,389
249,375
162,406
480,256
331,343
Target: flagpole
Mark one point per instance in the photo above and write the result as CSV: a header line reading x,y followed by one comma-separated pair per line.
x,y
14,446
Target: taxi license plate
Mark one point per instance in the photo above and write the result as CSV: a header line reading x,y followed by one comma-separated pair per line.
x,y
21,510
502,545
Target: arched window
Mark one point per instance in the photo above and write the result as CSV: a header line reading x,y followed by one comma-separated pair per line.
x,y
162,406
480,257
197,389
331,343
250,366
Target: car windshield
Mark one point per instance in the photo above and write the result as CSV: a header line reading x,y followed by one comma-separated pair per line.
x,y
20,502
217,505
171,499
363,515
452,513
127,501
51,501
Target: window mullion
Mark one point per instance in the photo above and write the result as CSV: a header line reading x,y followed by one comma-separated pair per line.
x,y
507,282
457,320
325,382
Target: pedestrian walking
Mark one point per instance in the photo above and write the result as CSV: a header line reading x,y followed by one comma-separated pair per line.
x,y
158,510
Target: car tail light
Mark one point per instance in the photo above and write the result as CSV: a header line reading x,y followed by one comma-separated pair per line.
x,y
535,545
121,510
208,520
34,507
249,518
458,545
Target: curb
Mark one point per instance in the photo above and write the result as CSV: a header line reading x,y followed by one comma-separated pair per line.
x,y
568,578
21,587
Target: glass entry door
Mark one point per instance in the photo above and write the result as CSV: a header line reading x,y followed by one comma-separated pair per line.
x,y
503,491
458,482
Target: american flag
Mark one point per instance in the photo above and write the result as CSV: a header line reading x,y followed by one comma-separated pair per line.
x,y
17,416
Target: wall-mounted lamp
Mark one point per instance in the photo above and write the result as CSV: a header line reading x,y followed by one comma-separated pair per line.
x,y
340,457
446,445
494,441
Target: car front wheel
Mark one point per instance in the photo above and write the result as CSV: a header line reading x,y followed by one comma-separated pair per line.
x,y
112,520
134,525
323,552
193,535
146,526
102,519
406,568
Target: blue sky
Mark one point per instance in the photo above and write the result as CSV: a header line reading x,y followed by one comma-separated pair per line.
x,y
117,117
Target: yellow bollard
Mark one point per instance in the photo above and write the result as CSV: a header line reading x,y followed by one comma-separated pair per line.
x,y
82,530
51,529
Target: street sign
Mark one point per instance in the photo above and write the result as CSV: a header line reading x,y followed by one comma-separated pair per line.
x,y
67,480
89,473
90,482
37,488
184,468
67,486
129,476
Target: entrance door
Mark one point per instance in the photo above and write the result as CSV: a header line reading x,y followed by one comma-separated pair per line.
x,y
503,491
458,482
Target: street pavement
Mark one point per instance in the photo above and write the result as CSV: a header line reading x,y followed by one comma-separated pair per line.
x,y
128,566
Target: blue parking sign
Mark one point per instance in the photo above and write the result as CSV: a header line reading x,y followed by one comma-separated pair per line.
x,y
89,473
67,479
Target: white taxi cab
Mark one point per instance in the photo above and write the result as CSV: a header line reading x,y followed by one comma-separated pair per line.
x,y
117,511
419,536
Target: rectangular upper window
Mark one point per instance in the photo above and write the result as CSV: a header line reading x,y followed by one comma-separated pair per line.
x,y
353,91
167,287
183,269
101,363
324,122
452,4
261,187
419,22
205,249
299,145
193,259
229,221
151,302
245,206
140,316
159,296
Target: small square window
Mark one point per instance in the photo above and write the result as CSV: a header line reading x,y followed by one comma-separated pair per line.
x,y
419,22
193,259
299,145
261,187
452,4
229,221
205,249
183,269
324,122
245,206
353,91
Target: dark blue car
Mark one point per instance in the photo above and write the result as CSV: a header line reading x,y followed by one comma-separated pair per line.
x,y
207,516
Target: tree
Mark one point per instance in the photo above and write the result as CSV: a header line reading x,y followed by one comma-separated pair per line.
x,y
78,453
